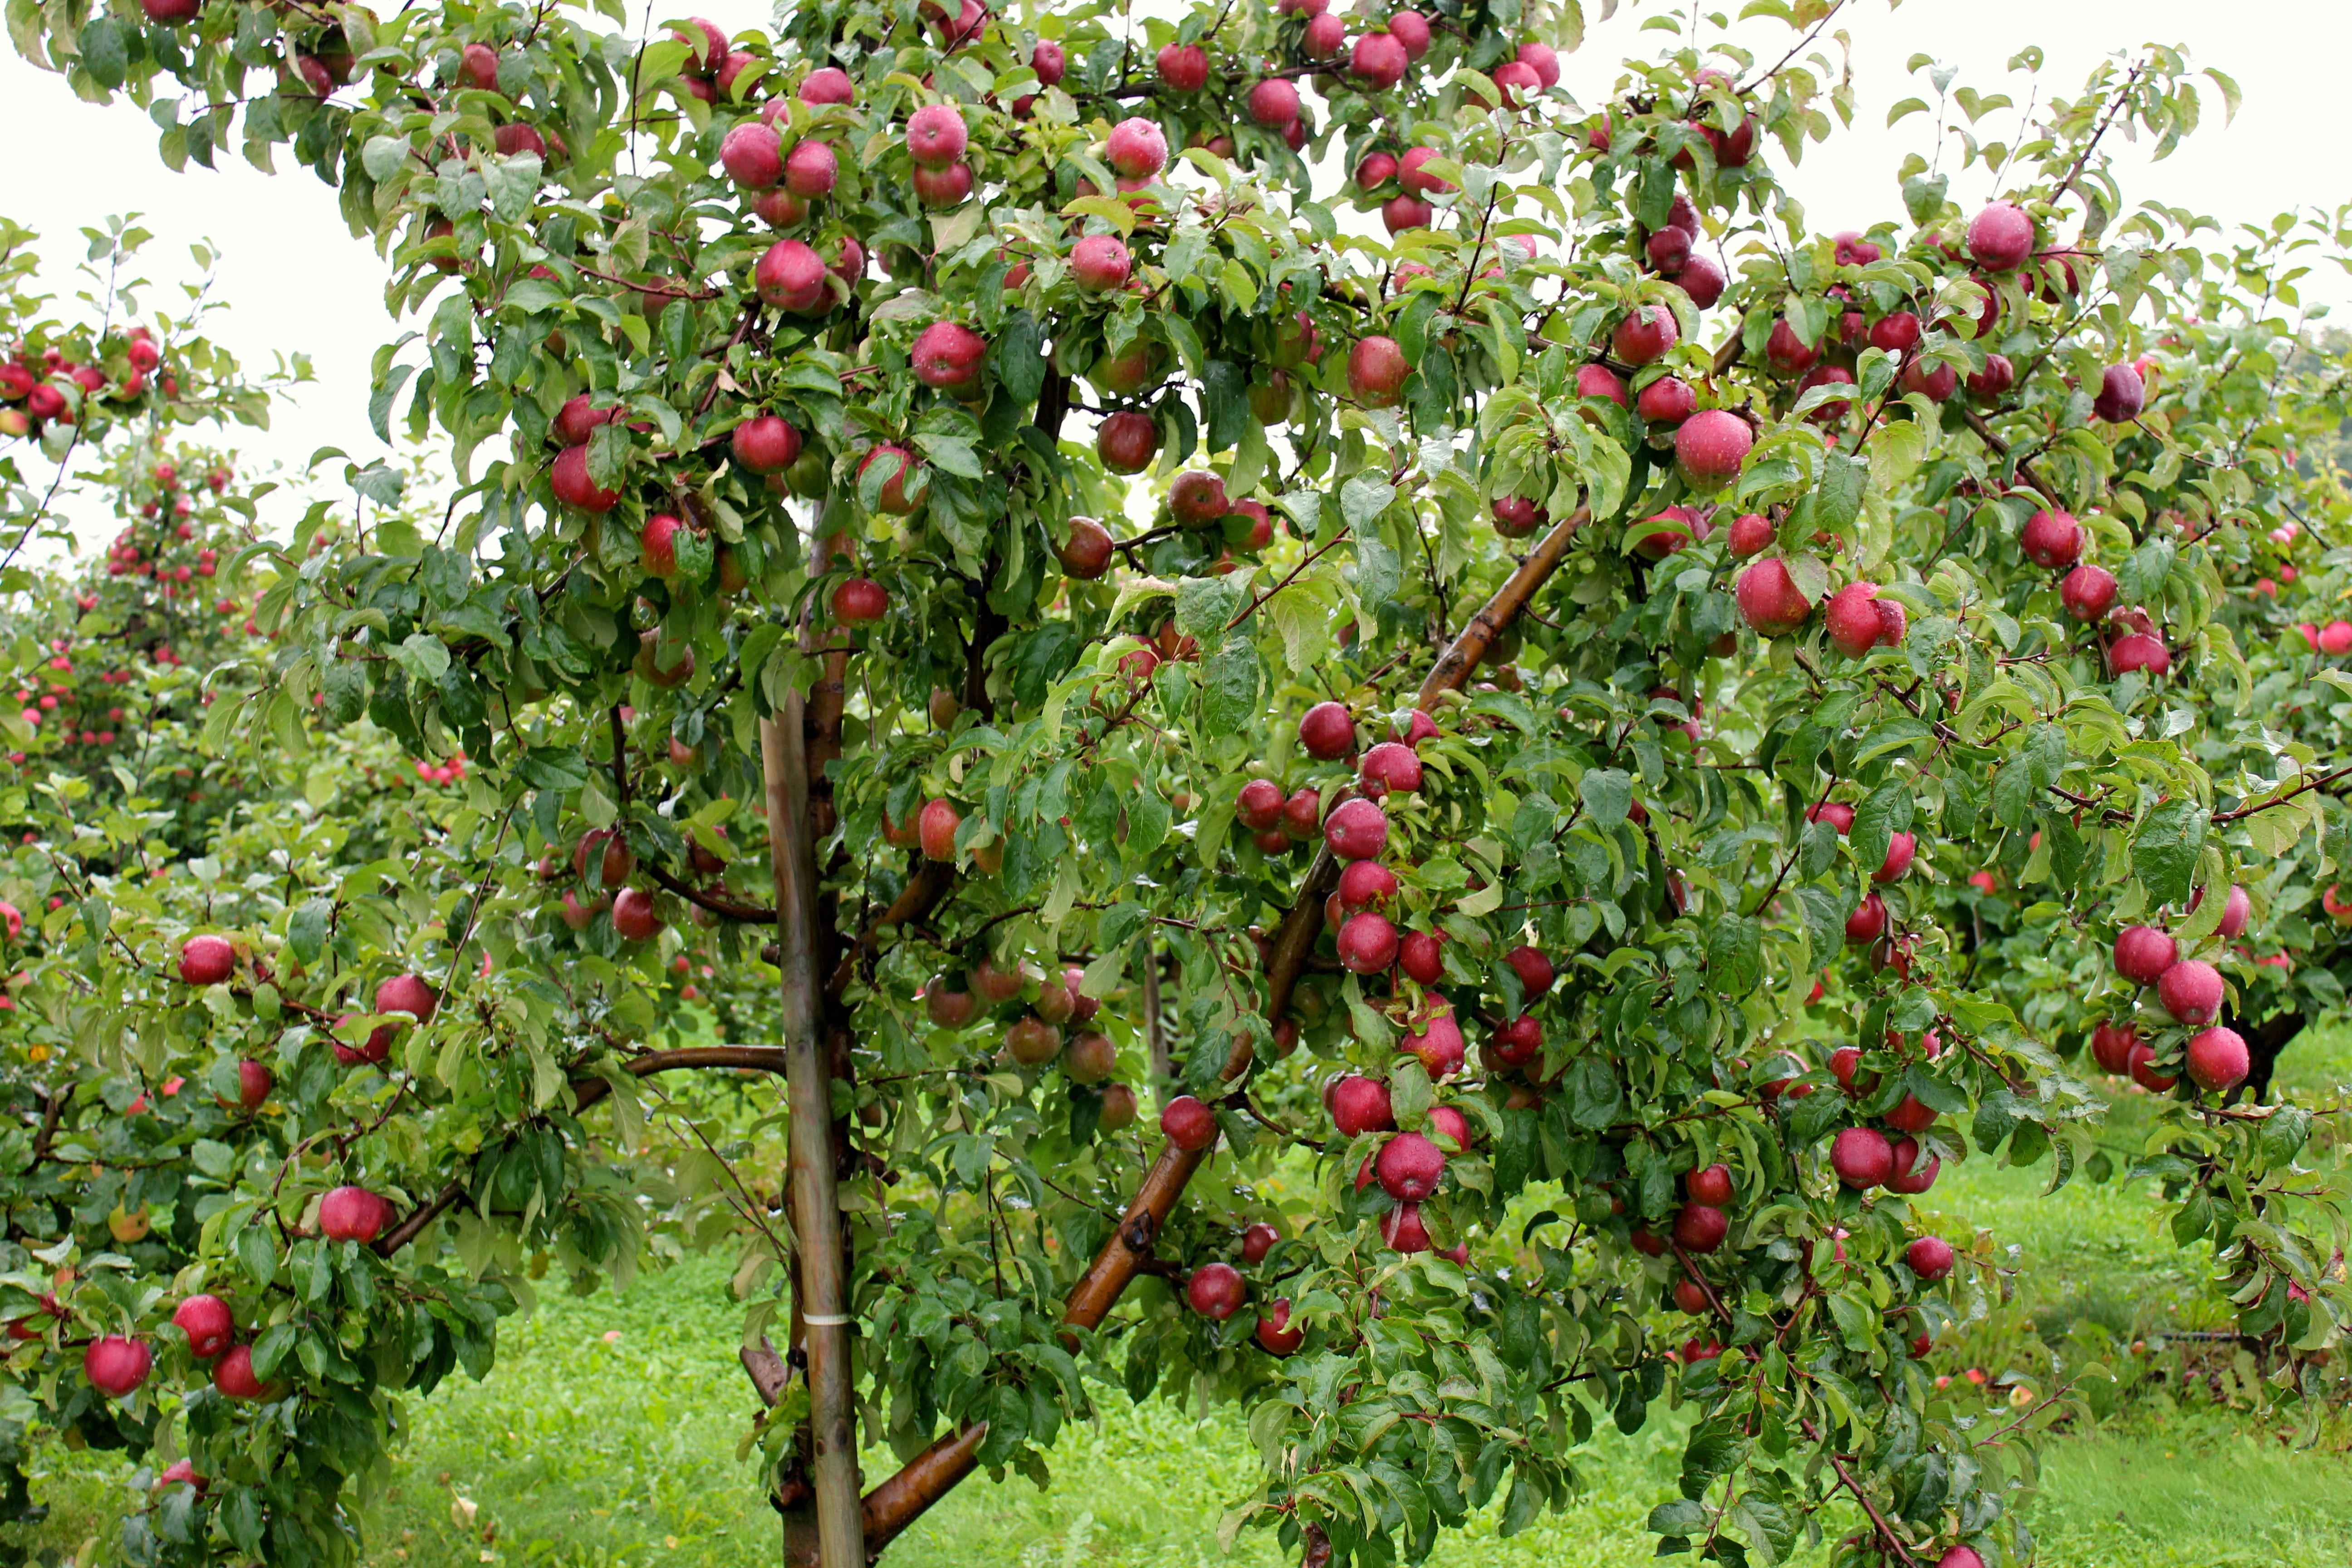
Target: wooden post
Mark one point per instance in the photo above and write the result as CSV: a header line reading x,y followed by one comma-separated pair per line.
x,y
820,1298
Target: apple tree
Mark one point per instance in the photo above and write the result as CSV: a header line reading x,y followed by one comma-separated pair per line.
x,y
967,522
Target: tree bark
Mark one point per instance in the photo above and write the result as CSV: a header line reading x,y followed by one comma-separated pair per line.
x,y
820,1297
1155,1028
900,1501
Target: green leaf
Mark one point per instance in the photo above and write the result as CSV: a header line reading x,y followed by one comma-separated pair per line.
x,y
1204,605
424,656
1020,357
1229,688
382,156
1608,797
1362,500
1225,397
2164,852
552,768
1377,570
1593,1095
2142,576
1883,813
1840,493
105,53
1734,954
1684,1516
306,929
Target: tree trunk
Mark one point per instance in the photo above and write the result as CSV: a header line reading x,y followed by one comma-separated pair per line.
x,y
819,1295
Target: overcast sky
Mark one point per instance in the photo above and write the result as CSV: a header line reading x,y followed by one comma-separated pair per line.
x,y
296,280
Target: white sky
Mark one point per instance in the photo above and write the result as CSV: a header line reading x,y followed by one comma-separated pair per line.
x,y
296,279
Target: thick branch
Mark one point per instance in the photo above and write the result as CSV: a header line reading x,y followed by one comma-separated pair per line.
x,y
1455,666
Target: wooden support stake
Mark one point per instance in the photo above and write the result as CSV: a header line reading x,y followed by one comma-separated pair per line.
x,y
820,1296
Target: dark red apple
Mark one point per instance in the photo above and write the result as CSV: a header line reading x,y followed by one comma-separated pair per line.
x,y
2088,591
1377,372
1127,442
2051,538
1189,1124
1861,1157
1359,1105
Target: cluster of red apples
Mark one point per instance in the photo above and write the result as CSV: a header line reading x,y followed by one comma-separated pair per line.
x,y
118,1365
34,385
2192,993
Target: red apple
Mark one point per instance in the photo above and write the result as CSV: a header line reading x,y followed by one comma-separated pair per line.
x,y
1408,1167
948,357
2191,991
1277,1335
206,960
936,136
1100,263
1184,67
2001,236
353,1214
2144,953
1861,1157
1368,944
1645,335
2088,591
753,157
1930,1257
1216,1290
1136,148
1127,442
2218,1059
1701,1227
209,1324
1377,372
1770,600
792,277
2121,395
766,444
1710,449
1359,1105
1599,381
1378,61
117,1366
1189,1124
2051,538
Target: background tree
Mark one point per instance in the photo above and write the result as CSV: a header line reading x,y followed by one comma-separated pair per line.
x,y
1483,559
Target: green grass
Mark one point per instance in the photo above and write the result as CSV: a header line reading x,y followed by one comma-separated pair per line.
x,y
606,1438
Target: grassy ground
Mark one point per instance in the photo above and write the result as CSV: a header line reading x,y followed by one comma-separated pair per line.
x,y
607,1437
